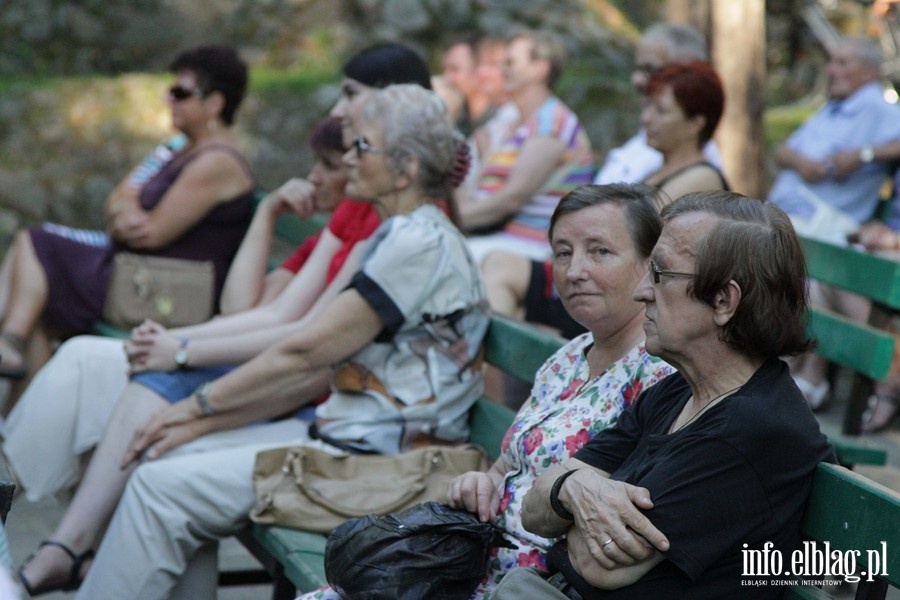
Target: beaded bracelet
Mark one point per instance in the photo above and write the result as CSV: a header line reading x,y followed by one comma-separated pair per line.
x,y
555,504
201,393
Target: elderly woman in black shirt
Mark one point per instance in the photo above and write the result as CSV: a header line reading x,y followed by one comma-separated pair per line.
x,y
713,461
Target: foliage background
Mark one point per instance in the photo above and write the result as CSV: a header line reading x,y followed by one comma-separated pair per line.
x,y
81,81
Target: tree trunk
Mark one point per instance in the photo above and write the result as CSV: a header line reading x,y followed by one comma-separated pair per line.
x,y
690,12
738,51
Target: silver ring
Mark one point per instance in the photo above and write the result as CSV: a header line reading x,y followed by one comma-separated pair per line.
x,y
605,544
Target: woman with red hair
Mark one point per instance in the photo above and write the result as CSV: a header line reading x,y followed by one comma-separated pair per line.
x,y
684,104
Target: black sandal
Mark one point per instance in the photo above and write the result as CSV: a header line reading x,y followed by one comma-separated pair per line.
x,y
75,577
18,344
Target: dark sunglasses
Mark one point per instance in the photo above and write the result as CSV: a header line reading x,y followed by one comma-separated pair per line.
x,y
179,92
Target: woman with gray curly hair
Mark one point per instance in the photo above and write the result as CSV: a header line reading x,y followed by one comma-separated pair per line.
x,y
400,358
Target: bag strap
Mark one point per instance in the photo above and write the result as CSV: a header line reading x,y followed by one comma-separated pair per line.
x,y
298,459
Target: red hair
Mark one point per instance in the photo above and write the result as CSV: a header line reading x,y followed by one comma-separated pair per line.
x,y
697,90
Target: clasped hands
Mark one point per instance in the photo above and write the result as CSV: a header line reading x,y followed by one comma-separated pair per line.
x,y
838,165
151,348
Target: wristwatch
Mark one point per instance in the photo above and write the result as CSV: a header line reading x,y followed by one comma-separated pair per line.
x,y
866,155
181,355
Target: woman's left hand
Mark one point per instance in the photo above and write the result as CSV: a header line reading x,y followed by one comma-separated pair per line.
x,y
171,427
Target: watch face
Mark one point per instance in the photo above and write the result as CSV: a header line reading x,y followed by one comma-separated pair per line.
x,y
181,357
866,154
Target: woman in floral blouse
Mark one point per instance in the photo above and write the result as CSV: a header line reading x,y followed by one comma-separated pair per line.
x,y
601,238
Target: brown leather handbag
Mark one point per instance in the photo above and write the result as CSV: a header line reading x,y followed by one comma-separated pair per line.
x,y
309,489
171,291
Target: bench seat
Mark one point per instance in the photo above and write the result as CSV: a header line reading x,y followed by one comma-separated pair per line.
x,y
517,349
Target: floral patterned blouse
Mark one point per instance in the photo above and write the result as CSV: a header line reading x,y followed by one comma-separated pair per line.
x,y
566,408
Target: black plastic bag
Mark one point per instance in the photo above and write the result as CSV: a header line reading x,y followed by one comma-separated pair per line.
x,y
429,551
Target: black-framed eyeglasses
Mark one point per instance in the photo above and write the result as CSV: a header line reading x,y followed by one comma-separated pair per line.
x,y
656,273
362,146
180,92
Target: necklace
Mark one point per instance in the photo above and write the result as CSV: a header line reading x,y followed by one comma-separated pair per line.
x,y
705,406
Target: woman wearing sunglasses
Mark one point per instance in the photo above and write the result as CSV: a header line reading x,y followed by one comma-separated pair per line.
x,y
193,203
86,373
400,359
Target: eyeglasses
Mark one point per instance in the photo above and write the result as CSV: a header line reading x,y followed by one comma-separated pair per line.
x,y
363,146
179,92
656,273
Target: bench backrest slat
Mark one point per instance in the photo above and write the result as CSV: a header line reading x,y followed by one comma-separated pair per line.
x,y
518,348
866,274
291,228
514,348
852,512
857,346
488,422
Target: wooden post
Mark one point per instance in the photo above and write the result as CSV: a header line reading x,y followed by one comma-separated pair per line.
x,y
738,52
689,12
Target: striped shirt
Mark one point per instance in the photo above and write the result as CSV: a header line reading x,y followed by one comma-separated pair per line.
x,y
556,120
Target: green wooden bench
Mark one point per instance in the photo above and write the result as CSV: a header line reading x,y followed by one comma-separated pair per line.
x,y
864,348
853,514
294,559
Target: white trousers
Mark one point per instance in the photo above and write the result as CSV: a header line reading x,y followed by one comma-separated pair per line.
x,y
162,540
63,414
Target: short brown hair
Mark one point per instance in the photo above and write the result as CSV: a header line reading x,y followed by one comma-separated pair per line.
x,y
756,246
637,200
545,46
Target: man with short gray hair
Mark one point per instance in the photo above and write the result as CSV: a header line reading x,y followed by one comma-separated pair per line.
x,y
830,156
831,179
